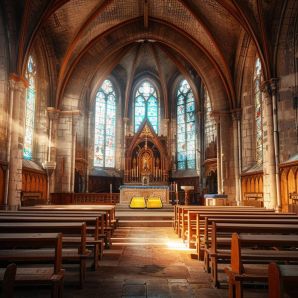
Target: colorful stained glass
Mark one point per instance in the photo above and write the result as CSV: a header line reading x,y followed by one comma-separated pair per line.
x,y
30,109
146,106
186,128
258,110
105,126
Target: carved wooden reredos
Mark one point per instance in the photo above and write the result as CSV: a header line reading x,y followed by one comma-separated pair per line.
x,y
146,156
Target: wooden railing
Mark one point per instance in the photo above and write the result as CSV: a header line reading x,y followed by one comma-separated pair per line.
x,y
84,198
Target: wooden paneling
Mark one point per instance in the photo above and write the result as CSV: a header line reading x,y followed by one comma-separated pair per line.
x,y
252,189
34,182
289,186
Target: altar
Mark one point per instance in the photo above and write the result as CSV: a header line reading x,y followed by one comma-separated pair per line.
x,y
127,192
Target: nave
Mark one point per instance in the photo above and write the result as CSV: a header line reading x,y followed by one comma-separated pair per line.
x,y
145,262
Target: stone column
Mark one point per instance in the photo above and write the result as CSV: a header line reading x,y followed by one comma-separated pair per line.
x,y
75,125
18,87
273,85
65,150
50,164
90,145
269,181
236,120
219,155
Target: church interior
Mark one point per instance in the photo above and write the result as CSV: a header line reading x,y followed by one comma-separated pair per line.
x,y
133,133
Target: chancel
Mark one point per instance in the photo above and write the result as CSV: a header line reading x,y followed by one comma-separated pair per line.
x,y
148,148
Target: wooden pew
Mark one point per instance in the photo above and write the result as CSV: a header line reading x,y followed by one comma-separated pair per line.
x,y
221,238
182,213
32,243
111,221
93,223
7,280
103,221
204,221
240,271
109,209
74,250
282,280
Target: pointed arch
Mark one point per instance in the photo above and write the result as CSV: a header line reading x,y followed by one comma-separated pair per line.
x,y
105,126
258,110
30,109
186,127
146,105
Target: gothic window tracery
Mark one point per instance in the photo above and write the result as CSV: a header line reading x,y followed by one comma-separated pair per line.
x,y
105,126
146,106
186,127
258,110
30,109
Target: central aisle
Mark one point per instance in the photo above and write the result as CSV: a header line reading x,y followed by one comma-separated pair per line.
x,y
147,262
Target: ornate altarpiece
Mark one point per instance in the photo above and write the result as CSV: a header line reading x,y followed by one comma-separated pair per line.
x,y
146,158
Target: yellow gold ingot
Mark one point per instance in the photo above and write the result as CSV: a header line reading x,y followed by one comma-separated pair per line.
x,y
154,203
137,202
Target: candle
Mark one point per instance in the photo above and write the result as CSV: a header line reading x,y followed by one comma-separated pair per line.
x,y
176,187
111,188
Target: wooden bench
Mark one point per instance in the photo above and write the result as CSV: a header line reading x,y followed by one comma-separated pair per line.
x,y
282,279
220,248
110,218
7,280
182,213
31,244
253,199
94,227
202,227
104,230
241,271
31,198
74,248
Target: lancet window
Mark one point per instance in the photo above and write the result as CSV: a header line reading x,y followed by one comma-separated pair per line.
x,y
30,109
105,126
258,110
186,127
146,106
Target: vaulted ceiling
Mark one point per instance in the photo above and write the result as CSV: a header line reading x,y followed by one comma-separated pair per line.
x,y
89,39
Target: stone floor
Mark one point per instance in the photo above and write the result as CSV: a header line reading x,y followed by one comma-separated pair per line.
x,y
145,262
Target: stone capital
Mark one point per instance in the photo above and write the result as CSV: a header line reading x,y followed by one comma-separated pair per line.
x,y
18,82
274,85
53,113
236,114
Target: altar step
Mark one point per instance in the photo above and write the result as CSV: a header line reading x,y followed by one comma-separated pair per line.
x,y
145,218
145,223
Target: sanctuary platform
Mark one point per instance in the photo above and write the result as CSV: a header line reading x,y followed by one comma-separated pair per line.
x,y
127,192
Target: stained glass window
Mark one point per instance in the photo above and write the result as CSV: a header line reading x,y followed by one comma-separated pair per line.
x,y
146,106
105,126
30,109
186,128
258,110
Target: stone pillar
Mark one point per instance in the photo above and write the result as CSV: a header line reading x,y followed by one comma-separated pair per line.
x,y
90,145
273,85
269,181
166,127
18,87
66,151
50,164
75,125
219,155
236,120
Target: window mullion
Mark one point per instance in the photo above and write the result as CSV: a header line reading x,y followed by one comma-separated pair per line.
x,y
105,133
